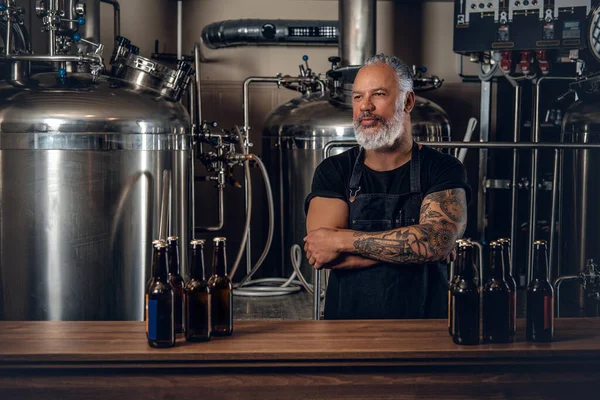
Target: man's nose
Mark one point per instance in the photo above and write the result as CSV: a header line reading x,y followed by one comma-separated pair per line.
x,y
366,104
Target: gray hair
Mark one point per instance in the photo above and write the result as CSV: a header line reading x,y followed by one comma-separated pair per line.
x,y
404,74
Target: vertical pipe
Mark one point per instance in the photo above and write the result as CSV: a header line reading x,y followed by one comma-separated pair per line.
x,y
583,237
535,138
515,176
179,28
357,30
8,32
317,294
561,167
555,185
198,86
52,31
484,135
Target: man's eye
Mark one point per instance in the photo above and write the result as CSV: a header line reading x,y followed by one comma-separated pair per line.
x,y
356,97
379,94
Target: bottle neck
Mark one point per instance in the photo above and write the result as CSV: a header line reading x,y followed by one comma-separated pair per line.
x,y
497,264
219,266
197,270
540,263
465,264
159,264
173,258
506,258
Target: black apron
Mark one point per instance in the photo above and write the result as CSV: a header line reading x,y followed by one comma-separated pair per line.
x,y
387,291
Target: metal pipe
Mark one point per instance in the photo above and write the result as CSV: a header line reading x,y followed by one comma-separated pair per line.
x,y
553,208
534,169
557,283
515,174
585,181
484,133
269,32
93,59
535,138
508,145
8,32
117,15
357,30
560,200
198,88
51,30
317,294
221,220
179,28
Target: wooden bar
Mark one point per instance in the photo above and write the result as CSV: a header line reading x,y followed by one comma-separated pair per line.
x,y
295,359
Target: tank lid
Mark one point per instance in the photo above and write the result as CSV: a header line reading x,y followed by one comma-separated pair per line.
x,y
80,105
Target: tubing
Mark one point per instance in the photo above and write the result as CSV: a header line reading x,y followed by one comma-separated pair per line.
x,y
117,15
557,283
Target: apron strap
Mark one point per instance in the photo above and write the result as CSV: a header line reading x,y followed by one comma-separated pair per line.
x,y
415,169
356,175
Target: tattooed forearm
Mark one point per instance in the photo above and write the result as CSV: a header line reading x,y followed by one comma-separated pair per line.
x,y
452,203
413,244
442,221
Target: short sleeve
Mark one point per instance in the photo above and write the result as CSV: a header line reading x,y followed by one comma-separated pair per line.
x,y
446,173
328,181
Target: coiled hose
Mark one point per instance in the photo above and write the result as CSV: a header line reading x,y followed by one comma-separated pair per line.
x,y
265,287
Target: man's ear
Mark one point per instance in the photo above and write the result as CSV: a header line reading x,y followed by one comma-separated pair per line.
x,y
409,102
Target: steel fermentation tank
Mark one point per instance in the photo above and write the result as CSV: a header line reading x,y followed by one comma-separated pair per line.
x,y
579,238
81,163
295,137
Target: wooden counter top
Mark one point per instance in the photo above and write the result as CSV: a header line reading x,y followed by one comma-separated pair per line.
x,y
393,350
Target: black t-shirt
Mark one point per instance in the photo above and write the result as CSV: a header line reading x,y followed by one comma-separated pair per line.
x,y
439,171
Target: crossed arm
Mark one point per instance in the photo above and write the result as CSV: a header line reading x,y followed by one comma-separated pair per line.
x,y
330,244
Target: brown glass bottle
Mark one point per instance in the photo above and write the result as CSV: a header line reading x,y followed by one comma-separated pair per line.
x,y
465,295
197,299
496,301
540,298
221,292
511,283
160,321
176,281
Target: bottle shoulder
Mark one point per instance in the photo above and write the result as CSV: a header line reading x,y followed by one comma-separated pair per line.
x,y
539,285
176,280
197,286
158,287
220,282
495,285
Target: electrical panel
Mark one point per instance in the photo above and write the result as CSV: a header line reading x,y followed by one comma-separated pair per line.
x,y
517,25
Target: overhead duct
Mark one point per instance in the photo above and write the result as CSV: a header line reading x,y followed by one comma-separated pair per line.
x,y
357,27
253,32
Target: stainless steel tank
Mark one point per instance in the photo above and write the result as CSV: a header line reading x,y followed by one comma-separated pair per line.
x,y
81,164
579,238
295,138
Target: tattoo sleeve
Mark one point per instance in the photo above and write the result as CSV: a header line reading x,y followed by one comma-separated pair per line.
x,y
442,221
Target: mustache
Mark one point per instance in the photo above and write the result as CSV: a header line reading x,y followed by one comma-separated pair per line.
x,y
368,115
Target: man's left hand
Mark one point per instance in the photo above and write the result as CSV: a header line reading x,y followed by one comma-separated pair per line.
x,y
323,245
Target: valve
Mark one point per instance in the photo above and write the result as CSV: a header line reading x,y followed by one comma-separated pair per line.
x,y
543,64
62,72
3,6
506,61
334,61
525,62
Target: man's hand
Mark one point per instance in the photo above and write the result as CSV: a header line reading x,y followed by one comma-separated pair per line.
x,y
324,245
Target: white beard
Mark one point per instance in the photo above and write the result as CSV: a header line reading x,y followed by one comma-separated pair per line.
x,y
386,136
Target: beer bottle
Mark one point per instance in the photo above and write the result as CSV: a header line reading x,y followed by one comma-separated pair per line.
x,y
160,322
465,295
510,282
176,281
450,298
221,291
496,301
540,298
197,297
